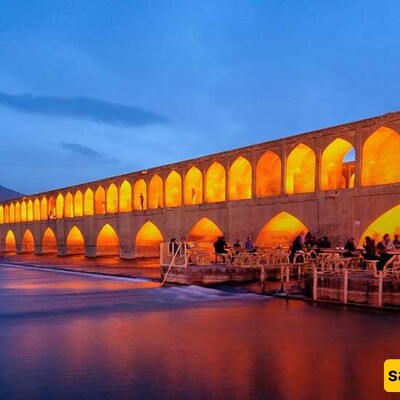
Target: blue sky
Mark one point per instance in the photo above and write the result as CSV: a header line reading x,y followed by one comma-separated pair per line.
x,y
96,88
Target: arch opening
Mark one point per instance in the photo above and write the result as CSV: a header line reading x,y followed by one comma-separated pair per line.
x,y
140,195
193,187
60,206
12,213
23,211
173,190
1,215
215,183
148,239
69,206
107,243
100,201
112,199
49,242
10,243
75,242
36,210
78,204
28,243
43,209
88,204
204,233
268,175
51,208
17,212
125,197
156,197
300,174
240,179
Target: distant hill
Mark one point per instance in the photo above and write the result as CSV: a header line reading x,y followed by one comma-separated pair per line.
x,y
8,194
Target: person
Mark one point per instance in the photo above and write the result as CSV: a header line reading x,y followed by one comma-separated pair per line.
x,y
325,243
370,250
297,245
382,248
220,247
236,244
249,246
350,247
310,240
141,199
396,241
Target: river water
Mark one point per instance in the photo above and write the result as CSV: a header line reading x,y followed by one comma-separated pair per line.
x,y
75,336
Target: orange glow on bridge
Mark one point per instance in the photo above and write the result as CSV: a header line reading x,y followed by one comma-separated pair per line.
x,y
300,174
28,243
140,195
205,232
100,201
12,213
193,188
240,179
43,209
69,207
23,211
107,242
49,242
215,183
268,175
148,239
60,206
36,210
156,196
173,190
75,242
112,199
125,197
78,204
280,230
1,215
10,242
88,203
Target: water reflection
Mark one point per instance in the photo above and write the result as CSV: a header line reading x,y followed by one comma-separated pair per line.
x,y
184,343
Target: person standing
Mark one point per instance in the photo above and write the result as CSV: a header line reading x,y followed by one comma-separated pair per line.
x,y
298,245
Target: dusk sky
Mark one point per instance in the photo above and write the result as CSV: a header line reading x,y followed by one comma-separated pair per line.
x,y
96,88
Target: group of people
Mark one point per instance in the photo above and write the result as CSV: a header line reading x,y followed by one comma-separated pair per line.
x,y
380,251
307,241
221,247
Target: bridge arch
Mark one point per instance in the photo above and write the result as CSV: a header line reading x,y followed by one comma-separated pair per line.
x,y
140,195
6,214
173,190
12,213
88,202
51,207
148,239
60,206
36,210
332,163
43,209
240,179
300,170
193,187
29,212
280,230
78,204
215,183
69,206
156,197
107,242
23,211
380,158
17,212
112,199
268,175
1,214
125,197
10,242
75,242
100,201
28,242
204,233
49,242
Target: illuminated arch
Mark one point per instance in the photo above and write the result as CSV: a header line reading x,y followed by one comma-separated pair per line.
x,y
268,175
147,242
193,187
10,242
240,179
43,209
60,206
215,183
28,243
281,230
36,210
49,242
75,242
173,190
12,213
17,212
69,206
125,197
300,172
88,204
380,158
6,214
29,215
78,204
51,207
107,242
23,211
140,195
112,199
100,201
156,198
388,222
1,215
204,233
332,165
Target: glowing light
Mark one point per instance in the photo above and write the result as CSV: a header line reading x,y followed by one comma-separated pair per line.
x,y
173,190
78,204
69,207
112,199
60,206
1,215
12,213
193,187
36,210
215,183
332,164
49,242
75,242
148,239
281,230
204,233
268,175
88,205
43,209
28,243
17,212
300,173
140,195
380,160
51,207
156,198
23,211
240,179
125,197
30,210
10,242
6,214
107,241
100,201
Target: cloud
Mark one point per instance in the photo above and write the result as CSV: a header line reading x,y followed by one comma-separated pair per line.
x,y
87,152
82,108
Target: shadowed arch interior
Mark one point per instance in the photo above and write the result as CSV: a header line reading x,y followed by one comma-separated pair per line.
x,y
49,242
10,242
300,173
148,239
280,230
107,243
28,243
75,242
240,179
268,175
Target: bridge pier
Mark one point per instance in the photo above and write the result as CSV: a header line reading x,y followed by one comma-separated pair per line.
x,y
18,248
38,249
90,251
61,250
127,252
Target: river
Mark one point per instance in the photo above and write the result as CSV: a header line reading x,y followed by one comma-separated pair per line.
x,y
75,336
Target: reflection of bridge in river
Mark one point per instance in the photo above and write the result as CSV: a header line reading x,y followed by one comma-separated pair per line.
x,y
338,181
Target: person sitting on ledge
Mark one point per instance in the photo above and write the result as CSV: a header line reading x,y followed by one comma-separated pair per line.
x,y
382,248
249,246
325,243
396,241
350,247
220,247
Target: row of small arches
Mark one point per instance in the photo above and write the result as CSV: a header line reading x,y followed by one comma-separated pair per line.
x,y
379,166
